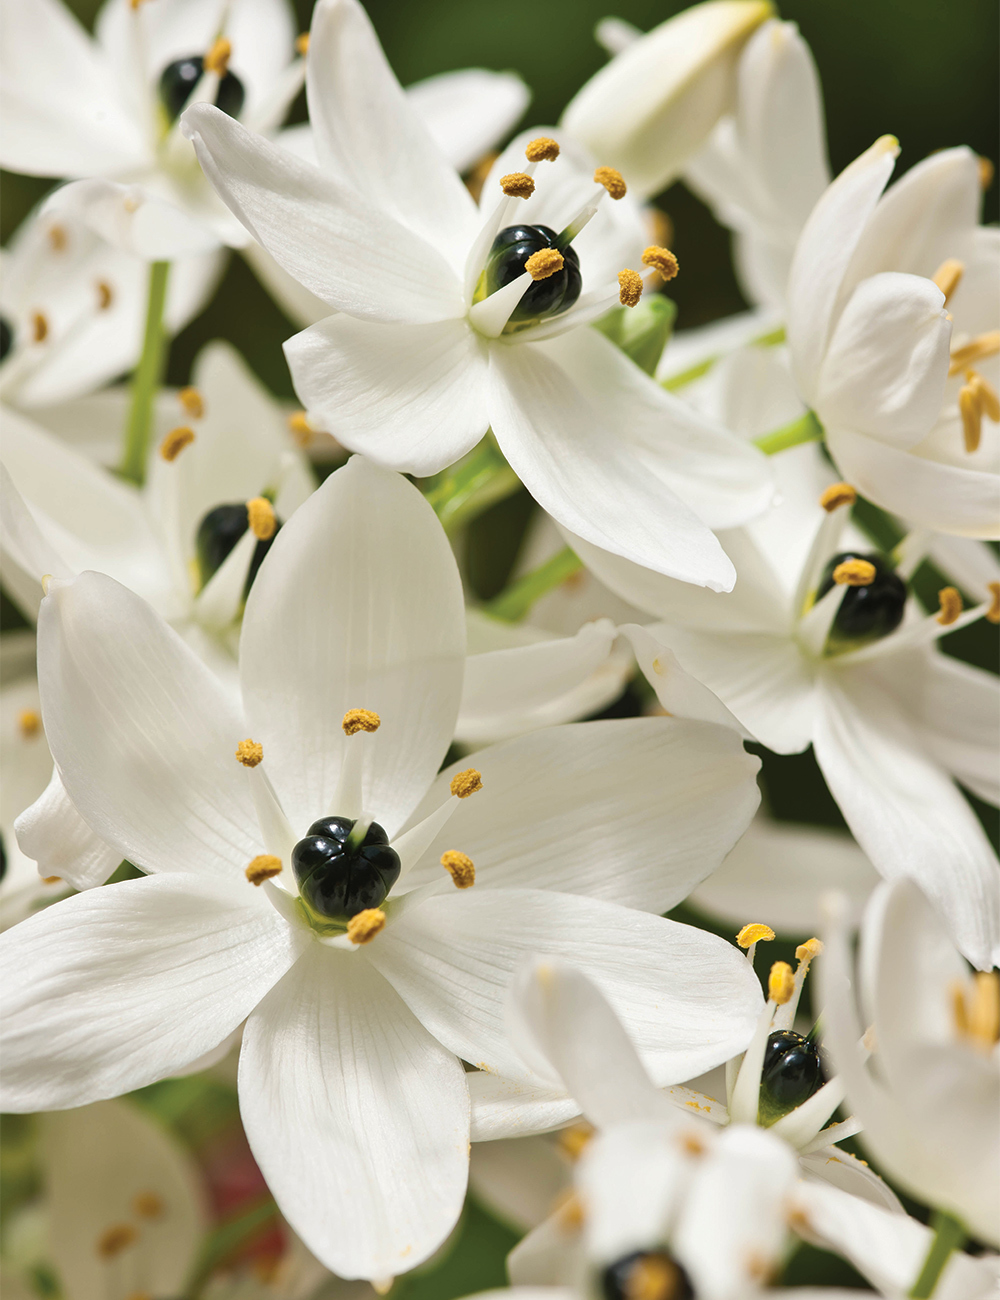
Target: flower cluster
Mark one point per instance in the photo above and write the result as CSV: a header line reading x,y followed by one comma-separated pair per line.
x,y
332,889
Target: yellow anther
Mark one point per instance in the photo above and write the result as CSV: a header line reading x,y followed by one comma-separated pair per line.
x,y
662,260
300,427
948,275
993,613
983,345
39,327
465,783
175,442
460,867
805,952
568,1212
970,408
573,1141
692,1143
263,867
546,262
302,44
249,752
986,170
360,720
261,518
51,880
653,1276
612,180
192,402
837,495
989,402
115,1239
854,573
629,287
755,932
364,926
57,238
951,606
105,295
542,149
217,58
149,1205
780,983
29,723
517,185
984,1013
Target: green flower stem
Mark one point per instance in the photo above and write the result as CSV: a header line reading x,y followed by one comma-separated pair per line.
x,y
949,1234
805,429
147,378
469,487
227,1237
513,603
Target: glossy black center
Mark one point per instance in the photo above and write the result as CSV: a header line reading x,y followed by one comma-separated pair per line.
x,y
6,337
3,859
338,879
179,78
218,533
791,1073
651,1273
866,613
511,249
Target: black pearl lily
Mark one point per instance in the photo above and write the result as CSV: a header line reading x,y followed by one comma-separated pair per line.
x,y
869,612
791,1073
511,249
338,879
218,533
179,79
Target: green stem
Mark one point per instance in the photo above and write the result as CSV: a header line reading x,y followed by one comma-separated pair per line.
x,y
769,340
147,378
469,487
806,428
227,1237
513,603
948,1236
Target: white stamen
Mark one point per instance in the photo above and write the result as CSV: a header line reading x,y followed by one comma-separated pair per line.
x,y
275,829
911,552
825,544
584,215
745,1098
803,1123
218,602
412,845
347,800
360,829
492,314
835,1133
814,627
923,632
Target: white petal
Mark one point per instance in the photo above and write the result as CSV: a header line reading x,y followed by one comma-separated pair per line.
x,y
886,365
52,833
358,605
518,1182
143,734
959,707
578,468
136,219
411,397
357,1117
841,1169
680,694
369,135
905,812
687,999
633,811
823,254
348,252
972,564
511,1108
469,112
110,990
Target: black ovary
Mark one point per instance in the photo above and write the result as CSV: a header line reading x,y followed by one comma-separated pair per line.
x,y
3,858
337,880
617,1282
791,1073
218,533
179,79
511,249
866,613
6,337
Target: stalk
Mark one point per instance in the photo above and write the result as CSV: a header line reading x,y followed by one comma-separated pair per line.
x,y
948,1236
804,429
147,378
476,482
514,602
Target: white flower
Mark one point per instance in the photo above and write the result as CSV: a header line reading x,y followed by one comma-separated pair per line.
x,y
654,104
105,108
73,308
352,1093
931,1104
412,369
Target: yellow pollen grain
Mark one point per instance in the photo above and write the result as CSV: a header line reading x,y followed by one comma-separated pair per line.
x,y
798,1220
805,952
302,44
629,287
652,1277
217,58
546,262
364,926
986,172
692,1143
970,408
573,1141
466,783
993,613
854,573
149,1205
568,1212
989,402
460,867
948,276
983,345
959,1011
356,720
984,1013
951,606
263,867
51,880
780,983
29,723
517,185
192,402
250,752
612,180
260,517
755,932
837,495
39,327
115,1239
175,442
662,260
301,429
542,149
105,295
57,238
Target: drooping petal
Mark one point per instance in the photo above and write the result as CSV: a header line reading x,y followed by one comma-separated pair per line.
x,y
53,834
410,397
143,734
840,1169
680,695
112,989
634,811
358,1119
146,220
353,255
358,605
518,1182
511,1108
468,112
